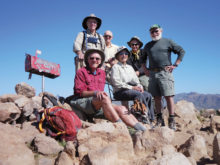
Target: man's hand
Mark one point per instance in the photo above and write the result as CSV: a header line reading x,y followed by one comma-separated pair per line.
x,y
80,55
170,68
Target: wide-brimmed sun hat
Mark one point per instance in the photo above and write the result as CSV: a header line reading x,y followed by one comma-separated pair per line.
x,y
84,23
90,51
135,38
120,49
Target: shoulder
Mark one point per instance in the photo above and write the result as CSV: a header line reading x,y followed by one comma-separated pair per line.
x,y
116,46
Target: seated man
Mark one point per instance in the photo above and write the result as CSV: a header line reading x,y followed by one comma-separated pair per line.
x,y
90,97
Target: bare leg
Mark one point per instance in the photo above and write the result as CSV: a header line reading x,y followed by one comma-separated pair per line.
x,y
170,104
158,106
108,109
128,119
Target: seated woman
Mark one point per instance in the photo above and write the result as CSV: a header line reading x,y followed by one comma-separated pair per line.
x,y
90,96
125,83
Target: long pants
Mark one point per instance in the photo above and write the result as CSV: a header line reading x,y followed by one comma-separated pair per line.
x,y
144,97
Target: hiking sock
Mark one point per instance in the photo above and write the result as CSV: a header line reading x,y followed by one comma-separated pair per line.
x,y
139,126
119,120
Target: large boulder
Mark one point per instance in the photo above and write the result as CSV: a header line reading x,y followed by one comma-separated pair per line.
x,y
100,136
186,115
195,147
13,149
152,141
9,112
25,89
172,159
9,98
215,124
216,148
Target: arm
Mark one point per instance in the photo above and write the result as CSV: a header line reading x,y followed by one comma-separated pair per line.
x,y
78,45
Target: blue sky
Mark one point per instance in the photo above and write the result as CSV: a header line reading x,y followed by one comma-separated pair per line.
x,y
52,25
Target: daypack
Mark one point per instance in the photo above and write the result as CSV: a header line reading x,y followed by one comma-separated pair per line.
x,y
59,122
140,111
92,40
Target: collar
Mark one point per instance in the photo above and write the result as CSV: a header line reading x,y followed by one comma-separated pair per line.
x,y
123,65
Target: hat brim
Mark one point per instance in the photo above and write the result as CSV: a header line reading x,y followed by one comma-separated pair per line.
x,y
90,51
116,54
99,22
135,38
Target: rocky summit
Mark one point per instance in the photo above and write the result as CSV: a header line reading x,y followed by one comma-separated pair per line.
x,y
196,140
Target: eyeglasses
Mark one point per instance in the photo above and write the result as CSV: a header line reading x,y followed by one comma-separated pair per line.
x,y
154,31
107,36
95,58
123,53
135,44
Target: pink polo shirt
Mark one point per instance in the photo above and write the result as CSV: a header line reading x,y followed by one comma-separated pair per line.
x,y
87,81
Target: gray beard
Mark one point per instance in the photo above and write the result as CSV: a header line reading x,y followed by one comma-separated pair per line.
x,y
157,38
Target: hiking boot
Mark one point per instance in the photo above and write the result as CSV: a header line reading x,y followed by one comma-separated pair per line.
x,y
172,123
160,120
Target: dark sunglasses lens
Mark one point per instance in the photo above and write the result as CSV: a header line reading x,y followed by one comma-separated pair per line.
x,y
92,58
107,36
134,44
154,31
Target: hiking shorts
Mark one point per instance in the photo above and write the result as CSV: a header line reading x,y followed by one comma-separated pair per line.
x,y
161,83
85,105
144,80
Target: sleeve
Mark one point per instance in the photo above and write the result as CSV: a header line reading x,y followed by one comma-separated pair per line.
x,y
79,83
177,49
135,78
116,80
78,42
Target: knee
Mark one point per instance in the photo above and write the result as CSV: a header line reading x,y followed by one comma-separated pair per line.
x,y
106,100
122,110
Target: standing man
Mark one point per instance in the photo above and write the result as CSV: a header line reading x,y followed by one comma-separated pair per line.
x,y
88,39
110,51
160,70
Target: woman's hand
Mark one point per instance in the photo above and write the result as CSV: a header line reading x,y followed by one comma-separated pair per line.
x,y
137,88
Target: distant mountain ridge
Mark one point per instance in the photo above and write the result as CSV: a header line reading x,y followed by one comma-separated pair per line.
x,y
201,101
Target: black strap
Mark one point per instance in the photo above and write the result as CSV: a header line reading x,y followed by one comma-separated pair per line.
x,y
52,99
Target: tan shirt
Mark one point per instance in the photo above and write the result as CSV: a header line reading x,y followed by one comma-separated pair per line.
x,y
77,46
110,51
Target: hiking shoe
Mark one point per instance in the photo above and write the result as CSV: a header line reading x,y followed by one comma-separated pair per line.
x,y
160,120
172,123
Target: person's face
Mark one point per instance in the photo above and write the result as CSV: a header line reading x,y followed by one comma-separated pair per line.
x,y
135,45
156,34
123,56
108,37
91,24
94,60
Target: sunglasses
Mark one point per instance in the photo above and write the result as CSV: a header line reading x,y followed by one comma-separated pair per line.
x,y
154,31
95,58
107,36
134,44
123,53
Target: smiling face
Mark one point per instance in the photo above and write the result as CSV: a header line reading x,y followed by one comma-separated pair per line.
x,y
91,24
156,34
135,45
94,60
123,56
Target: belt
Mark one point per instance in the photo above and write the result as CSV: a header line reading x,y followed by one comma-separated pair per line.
x,y
156,69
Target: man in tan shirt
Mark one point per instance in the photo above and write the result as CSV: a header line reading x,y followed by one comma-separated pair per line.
x,y
88,39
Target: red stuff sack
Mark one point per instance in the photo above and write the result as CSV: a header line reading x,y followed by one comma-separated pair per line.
x,y
60,122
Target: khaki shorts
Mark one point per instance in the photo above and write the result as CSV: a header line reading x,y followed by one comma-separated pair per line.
x,y
85,105
161,83
144,80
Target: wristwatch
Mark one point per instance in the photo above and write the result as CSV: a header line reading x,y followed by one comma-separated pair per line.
x,y
175,65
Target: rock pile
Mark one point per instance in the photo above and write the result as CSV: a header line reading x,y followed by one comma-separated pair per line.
x,y
196,141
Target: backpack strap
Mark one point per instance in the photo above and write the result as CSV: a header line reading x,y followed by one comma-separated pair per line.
x,y
84,40
99,37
